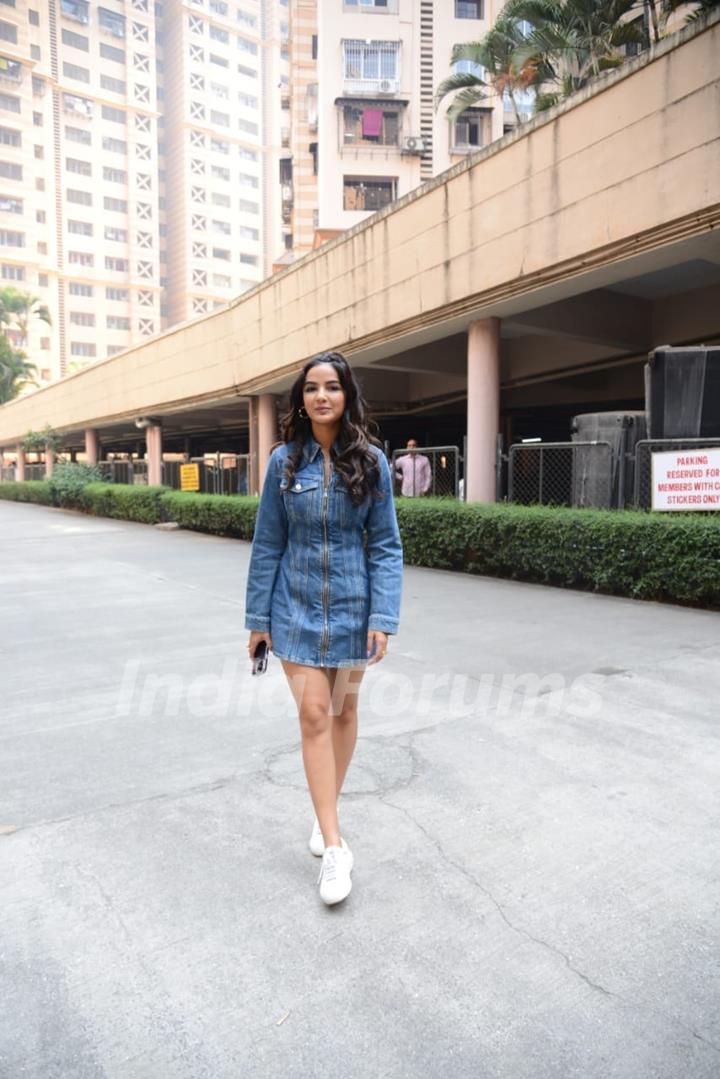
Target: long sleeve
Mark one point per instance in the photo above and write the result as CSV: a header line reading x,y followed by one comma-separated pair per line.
x,y
269,542
385,558
426,482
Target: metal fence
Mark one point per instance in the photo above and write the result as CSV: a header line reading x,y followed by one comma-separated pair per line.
x,y
642,493
560,474
221,474
427,470
132,471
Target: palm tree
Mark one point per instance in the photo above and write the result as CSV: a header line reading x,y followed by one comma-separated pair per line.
x,y
497,54
19,307
15,371
572,40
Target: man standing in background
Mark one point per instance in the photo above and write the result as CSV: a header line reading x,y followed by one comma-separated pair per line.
x,y
414,472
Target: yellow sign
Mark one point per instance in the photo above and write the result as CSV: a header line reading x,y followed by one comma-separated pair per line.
x,y
189,477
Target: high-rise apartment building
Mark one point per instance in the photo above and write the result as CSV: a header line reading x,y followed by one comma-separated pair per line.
x,y
364,126
139,148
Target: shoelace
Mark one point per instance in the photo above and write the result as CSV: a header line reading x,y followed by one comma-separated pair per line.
x,y
328,869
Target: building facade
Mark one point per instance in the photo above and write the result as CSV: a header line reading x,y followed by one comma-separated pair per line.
x,y
365,129
116,120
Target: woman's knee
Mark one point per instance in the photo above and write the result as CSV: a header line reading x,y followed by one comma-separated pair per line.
x,y
314,720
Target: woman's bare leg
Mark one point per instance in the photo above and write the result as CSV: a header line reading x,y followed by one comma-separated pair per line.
x,y
344,687
310,686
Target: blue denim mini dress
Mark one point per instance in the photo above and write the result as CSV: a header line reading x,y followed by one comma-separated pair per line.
x,y
322,571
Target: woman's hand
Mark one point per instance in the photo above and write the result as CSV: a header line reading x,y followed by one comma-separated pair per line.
x,y
380,641
256,636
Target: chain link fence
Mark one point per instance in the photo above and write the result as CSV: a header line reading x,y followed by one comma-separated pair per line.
x,y
426,471
561,474
642,495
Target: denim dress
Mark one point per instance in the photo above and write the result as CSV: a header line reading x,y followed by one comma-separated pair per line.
x,y
322,571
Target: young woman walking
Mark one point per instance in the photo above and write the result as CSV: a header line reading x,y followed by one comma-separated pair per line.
x,y
325,581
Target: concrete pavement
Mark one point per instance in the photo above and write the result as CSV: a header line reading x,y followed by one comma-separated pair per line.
x,y
533,808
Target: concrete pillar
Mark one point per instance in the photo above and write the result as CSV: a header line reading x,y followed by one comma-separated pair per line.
x,y
153,438
267,431
19,463
49,462
92,447
483,408
253,481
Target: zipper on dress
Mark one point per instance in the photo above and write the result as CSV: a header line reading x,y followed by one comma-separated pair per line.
x,y
325,640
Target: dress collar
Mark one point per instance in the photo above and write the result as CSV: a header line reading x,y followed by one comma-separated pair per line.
x,y
312,447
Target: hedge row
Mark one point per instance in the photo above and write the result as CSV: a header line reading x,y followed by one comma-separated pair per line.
x,y
641,555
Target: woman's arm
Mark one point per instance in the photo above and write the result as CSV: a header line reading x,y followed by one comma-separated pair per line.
x,y
269,542
384,554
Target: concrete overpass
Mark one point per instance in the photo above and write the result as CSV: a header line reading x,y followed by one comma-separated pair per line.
x,y
536,274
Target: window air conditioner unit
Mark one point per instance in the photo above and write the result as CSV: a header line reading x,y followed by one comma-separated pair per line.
x,y
414,144
387,86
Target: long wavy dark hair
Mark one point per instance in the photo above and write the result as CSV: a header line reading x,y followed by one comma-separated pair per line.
x,y
353,462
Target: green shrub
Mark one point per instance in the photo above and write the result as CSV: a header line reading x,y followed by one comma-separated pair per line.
x,y
224,515
642,555
124,501
29,491
69,479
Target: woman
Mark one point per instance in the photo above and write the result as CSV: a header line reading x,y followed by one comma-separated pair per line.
x,y
324,599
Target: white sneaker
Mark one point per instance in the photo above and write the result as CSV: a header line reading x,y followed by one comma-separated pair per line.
x,y
334,879
316,842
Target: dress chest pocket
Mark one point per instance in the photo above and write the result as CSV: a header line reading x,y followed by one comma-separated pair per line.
x,y
302,499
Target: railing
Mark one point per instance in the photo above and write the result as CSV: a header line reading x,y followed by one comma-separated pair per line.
x,y
427,470
561,474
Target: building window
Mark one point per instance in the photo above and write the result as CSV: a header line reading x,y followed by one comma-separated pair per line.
x,y
79,288
366,193
117,86
219,61
34,18
115,146
248,207
8,32
249,71
12,273
74,164
80,258
41,217
82,318
72,71
117,322
247,233
117,235
372,64
80,228
9,103
82,348
10,171
117,294
10,205
83,198
221,200
109,52
471,130
112,22
114,176
370,125
116,115
76,41
78,10
43,280
81,106
468,9
249,260
249,126
221,253
386,6
120,265
220,146
78,134
247,180
117,205
217,34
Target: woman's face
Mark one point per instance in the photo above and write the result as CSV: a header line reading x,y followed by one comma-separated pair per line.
x,y
323,395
